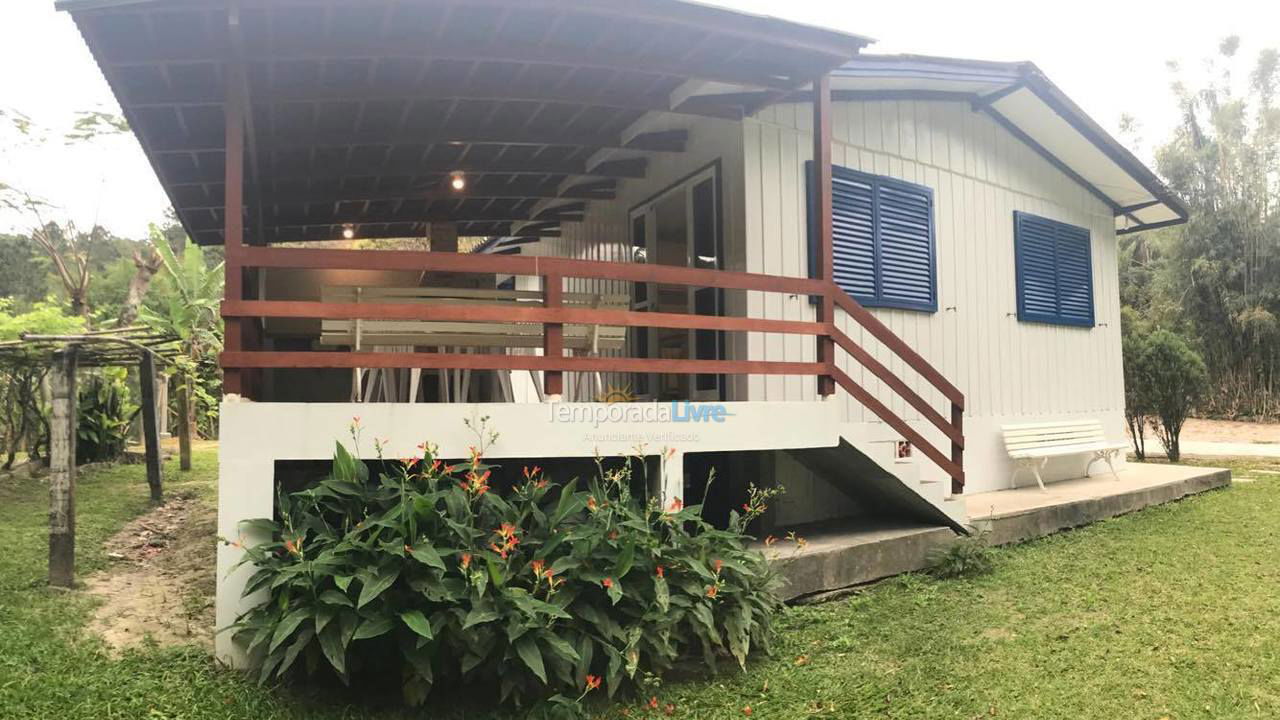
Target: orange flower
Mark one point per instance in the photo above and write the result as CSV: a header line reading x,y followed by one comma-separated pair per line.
x,y
613,535
669,709
466,560
409,462
653,703
408,548
661,571
719,564
591,504
537,567
770,540
712,590
747,711
607,583
593,682
676,505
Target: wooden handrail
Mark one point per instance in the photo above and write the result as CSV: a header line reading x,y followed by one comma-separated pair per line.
x,y
414,260
881,332
451,361
511,314
553,316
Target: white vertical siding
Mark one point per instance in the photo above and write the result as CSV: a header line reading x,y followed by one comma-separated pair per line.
x,y
980,174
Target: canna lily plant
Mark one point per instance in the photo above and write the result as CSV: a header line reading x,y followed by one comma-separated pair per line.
x,y
551,590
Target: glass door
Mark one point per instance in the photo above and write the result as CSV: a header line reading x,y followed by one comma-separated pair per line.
x,y
679,227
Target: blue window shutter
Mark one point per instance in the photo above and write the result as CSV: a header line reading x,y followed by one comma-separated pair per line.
x,y
882,239
853,235
906,261
1054,271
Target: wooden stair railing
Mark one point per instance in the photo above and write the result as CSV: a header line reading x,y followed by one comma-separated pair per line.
x,y
553,316
953,427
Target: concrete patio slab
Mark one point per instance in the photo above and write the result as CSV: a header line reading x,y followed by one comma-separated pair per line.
x,y
1026,513
842,554
855,552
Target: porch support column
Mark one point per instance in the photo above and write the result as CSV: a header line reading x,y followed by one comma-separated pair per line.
x,y
672,479
233,230
822,186
552,338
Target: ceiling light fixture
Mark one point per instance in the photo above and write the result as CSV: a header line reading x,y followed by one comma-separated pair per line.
x,y
348,231
457,180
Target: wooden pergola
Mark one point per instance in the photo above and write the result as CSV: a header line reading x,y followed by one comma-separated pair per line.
x,y
64,355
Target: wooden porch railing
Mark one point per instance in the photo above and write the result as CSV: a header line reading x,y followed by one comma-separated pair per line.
x,y
553,316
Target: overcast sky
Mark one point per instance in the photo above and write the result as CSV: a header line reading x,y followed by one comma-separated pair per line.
x,y
1108,55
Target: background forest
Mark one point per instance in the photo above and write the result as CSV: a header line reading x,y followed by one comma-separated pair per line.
x,y
1215,282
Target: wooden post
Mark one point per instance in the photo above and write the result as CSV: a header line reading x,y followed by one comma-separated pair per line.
x,y
233,230
150,426
552,338
822,187
957,450
186,424
62,470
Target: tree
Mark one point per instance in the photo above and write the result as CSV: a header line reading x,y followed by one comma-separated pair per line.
x,y
1216,279
1137,405
186,306
1172,379
24,418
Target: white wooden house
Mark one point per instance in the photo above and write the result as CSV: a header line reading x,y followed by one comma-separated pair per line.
x,y
796,262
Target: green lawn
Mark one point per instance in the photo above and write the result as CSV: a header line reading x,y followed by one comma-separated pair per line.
x,y
1173,612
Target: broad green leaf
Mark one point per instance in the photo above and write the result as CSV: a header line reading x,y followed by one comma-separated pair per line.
x,y
377,584
333,597
479,616
324,614
662,593
301,642
342,581
334,650
528,650
417,622
287,626
427,555
373,627
614,591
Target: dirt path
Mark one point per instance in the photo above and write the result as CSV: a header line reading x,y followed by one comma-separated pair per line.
x,y
1230,431
161,581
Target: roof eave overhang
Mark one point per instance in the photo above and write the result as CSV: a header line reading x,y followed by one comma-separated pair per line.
x,y
1025,102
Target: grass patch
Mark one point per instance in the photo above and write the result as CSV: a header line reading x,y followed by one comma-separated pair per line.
x,y
1170,612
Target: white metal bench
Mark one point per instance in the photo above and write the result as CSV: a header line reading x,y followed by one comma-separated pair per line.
x,y
1031,445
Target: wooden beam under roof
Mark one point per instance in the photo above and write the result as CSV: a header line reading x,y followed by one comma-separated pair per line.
x,y
182,98
598,190
626,168
662,141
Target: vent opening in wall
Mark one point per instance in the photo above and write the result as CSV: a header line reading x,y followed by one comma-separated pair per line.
x,y
903,450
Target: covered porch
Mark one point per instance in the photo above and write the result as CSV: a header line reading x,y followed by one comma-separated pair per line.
x,y
447,157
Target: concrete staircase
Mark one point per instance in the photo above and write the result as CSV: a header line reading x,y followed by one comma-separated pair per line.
x,y
864,465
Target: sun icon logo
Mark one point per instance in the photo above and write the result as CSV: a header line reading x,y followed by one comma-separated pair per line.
x,y
614,394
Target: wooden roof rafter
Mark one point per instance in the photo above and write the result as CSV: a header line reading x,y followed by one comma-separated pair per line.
x,y
362,91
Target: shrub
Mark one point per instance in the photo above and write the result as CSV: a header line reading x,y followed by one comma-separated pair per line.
x,y
1136,398
966,557
541,589
105,412
1174,377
